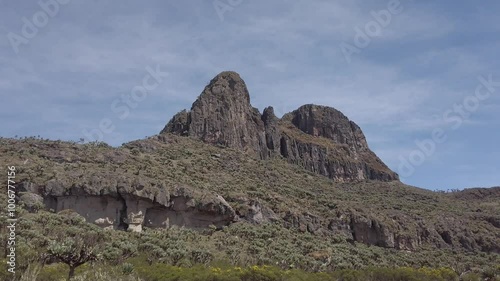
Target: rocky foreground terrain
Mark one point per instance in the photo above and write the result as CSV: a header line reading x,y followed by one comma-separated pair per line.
x,y
304,191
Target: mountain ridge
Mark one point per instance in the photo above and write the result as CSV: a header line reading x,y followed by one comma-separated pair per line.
x,y
319,138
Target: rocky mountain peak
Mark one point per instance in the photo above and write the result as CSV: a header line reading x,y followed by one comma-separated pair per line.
x,y
268,116
222,115
228,83
319,138
327,122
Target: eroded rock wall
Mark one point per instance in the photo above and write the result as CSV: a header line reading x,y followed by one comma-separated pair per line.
x,y
104,211
318,138
125,209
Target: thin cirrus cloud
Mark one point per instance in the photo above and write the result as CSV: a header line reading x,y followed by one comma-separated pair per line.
x,y
396,88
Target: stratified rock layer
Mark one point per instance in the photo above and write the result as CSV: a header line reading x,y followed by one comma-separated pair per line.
x,y
120,204
319,138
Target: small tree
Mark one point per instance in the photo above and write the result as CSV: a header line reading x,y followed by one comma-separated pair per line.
x,y
74,251
63,237
75,242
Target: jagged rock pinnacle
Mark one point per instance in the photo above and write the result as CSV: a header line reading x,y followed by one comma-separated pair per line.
x,y
319,138
222,115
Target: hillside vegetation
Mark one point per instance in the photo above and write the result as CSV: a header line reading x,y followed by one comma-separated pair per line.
x,y
308,227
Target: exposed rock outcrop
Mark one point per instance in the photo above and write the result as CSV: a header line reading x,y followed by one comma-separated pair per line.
x,y
254,212
403,233
222,115
371,232
132,206
326,142
318,138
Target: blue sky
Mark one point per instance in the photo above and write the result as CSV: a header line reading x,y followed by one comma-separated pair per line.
x,y
400,87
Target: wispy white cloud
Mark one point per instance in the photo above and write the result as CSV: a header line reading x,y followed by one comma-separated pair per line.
x,y
287,51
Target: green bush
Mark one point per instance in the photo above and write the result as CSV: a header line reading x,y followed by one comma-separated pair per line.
x,y
127,268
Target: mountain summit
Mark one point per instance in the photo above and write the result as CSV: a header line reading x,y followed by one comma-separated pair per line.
x,y
318,138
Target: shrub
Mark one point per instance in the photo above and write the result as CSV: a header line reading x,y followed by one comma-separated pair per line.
x,y
127,268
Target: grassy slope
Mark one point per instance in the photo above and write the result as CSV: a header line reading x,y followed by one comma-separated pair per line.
x,y
276,184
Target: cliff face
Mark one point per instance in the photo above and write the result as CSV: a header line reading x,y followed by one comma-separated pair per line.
x,y
222,115
120,204
318,138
